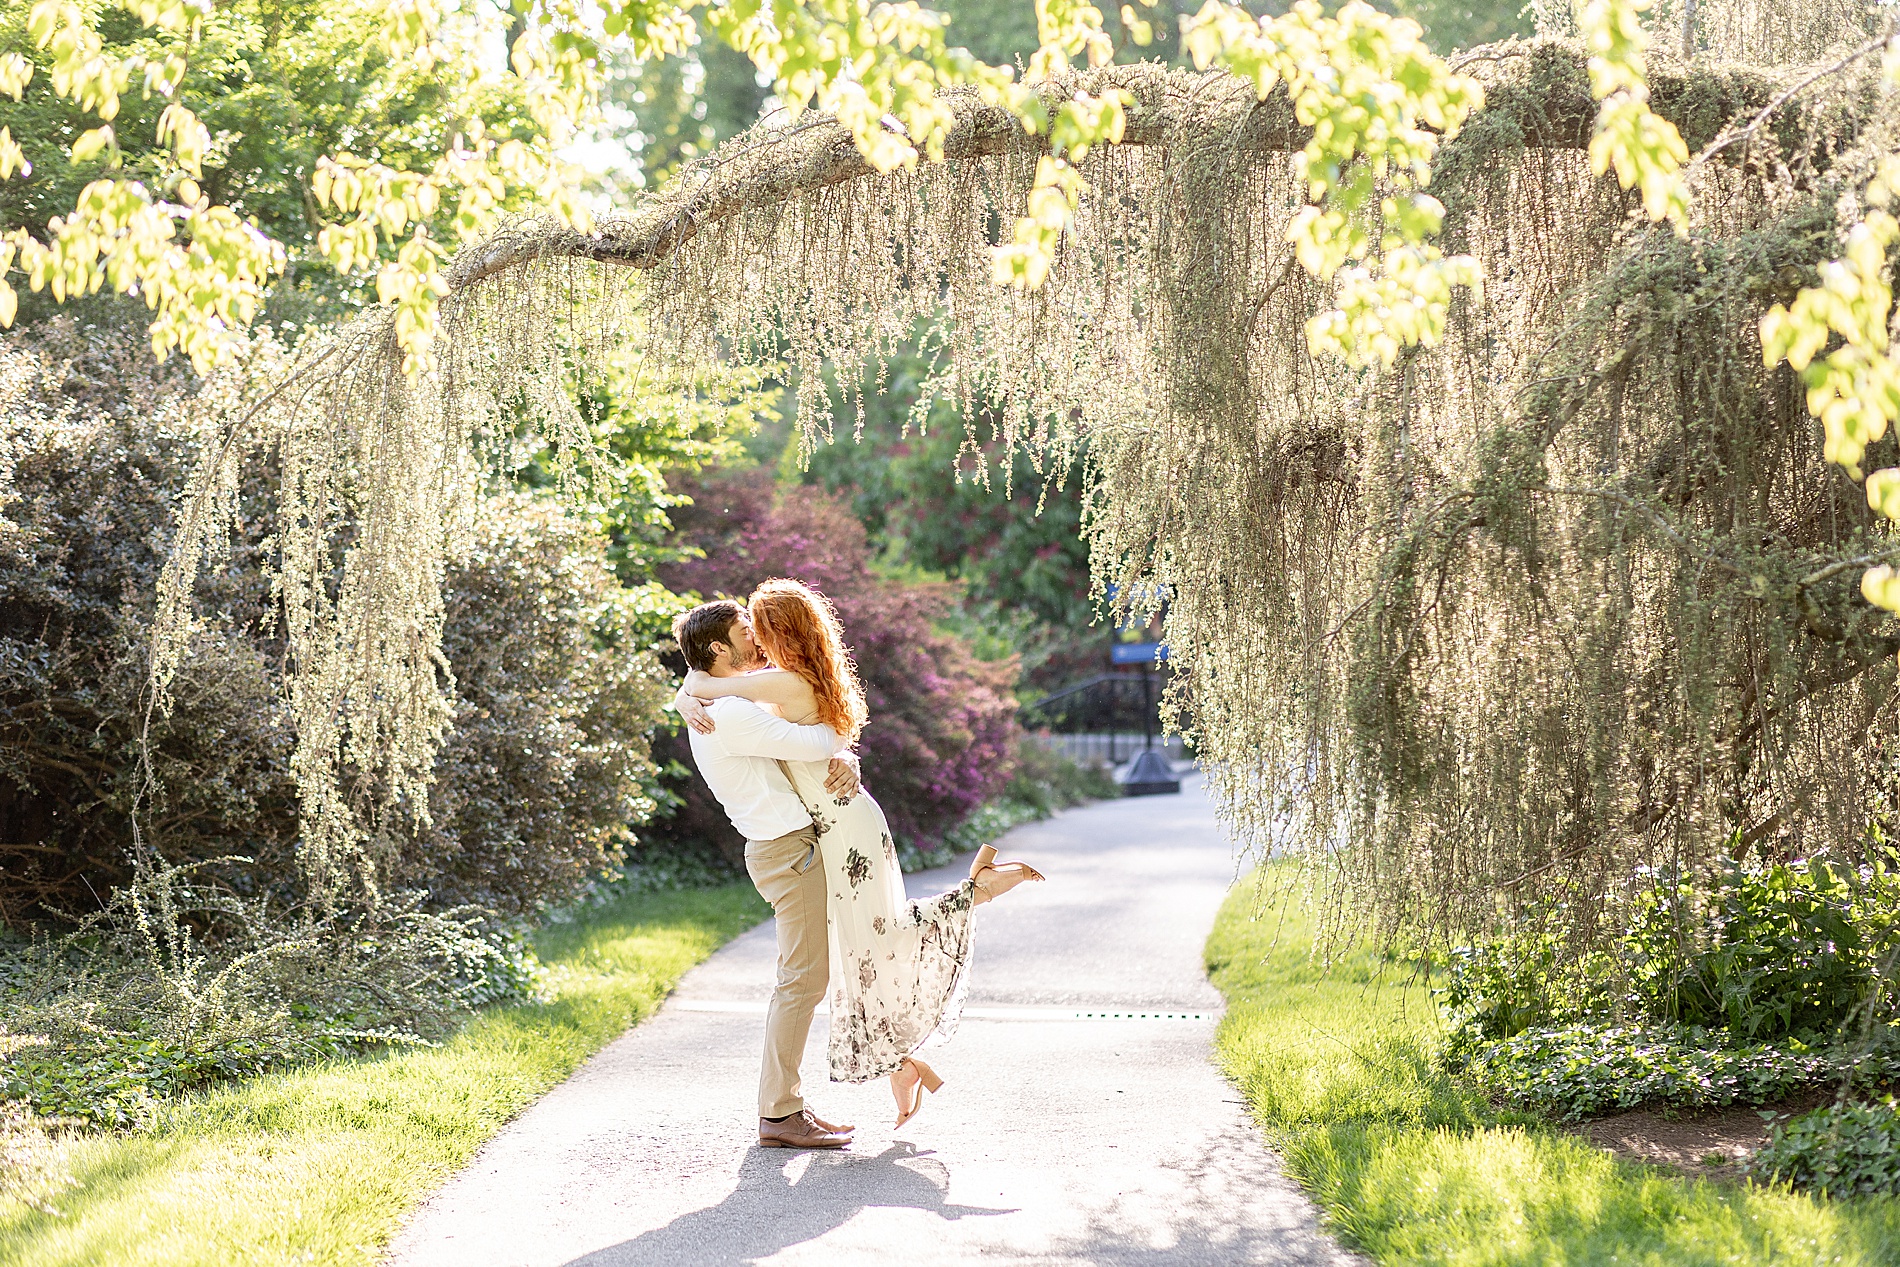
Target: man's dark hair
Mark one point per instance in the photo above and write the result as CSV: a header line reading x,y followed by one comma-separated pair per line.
x,y
698,629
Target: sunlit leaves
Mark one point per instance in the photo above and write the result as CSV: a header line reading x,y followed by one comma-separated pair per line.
x,y
1645,149
1067,29
12,159
15,73
203,291
385,204
187,136
876,67
1139,29
1403,304
1024,262
1379,103
1854,390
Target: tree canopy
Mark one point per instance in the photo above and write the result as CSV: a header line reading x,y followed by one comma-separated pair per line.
x,y
1339,334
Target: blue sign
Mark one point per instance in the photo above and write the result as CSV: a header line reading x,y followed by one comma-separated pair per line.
x,y
1137,652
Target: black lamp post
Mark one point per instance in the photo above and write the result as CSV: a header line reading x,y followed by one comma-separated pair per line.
x,y
1149,774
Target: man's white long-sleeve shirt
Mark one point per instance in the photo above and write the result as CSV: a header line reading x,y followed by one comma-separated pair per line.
x,y
739,762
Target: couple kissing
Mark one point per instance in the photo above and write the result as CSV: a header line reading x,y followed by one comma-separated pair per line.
x,y
774,709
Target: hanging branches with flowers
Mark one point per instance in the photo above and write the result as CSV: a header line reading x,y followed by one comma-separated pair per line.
x,y
1459,576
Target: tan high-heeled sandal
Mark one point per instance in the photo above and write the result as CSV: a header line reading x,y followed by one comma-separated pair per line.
x,y
910,1101
993,879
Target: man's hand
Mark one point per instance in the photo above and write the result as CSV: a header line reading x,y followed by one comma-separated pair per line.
x,y
841,778
694,712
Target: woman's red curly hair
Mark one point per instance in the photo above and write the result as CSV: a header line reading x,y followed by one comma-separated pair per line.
x,y
798,628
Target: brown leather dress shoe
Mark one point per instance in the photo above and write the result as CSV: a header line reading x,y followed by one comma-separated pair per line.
x,y
800,1130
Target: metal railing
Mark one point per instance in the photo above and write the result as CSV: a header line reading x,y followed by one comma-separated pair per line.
x,y
1109,717
1108,747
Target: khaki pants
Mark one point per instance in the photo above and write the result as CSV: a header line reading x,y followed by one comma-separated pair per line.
x,y
791,876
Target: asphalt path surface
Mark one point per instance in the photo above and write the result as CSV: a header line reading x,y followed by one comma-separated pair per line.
x,y
1082,1121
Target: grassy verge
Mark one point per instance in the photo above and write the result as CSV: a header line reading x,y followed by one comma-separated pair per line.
x,y
1338,1067
318,1164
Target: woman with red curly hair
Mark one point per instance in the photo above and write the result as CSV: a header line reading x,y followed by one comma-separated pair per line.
x,y
897,965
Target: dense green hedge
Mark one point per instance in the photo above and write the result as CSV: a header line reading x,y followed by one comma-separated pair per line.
x,y
536,787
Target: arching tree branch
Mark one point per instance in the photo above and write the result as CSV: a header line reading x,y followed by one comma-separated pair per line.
x,y
1539,100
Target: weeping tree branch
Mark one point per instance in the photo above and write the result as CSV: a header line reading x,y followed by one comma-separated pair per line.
x,y
1537,98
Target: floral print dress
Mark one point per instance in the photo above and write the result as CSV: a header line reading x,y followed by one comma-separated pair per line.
x,y
897,964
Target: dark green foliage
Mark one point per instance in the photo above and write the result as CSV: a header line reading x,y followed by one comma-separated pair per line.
x,y
1501,988
546,769
1791,949
99,445
1046,780
536,787
1796,949
1840,1150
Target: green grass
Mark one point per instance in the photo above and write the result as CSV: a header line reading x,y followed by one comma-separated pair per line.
x,y
1338,1067
319,1164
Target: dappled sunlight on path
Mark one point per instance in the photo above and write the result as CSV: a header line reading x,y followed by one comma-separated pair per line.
x,y
1082,1122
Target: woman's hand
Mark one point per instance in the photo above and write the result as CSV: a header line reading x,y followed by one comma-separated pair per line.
x,y
841,776
693,711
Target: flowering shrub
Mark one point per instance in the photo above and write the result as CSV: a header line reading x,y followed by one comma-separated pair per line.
x,y
943,730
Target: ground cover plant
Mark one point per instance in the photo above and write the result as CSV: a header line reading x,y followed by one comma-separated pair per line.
x,y
1341,1063
1777,980
318,1164
1840,1150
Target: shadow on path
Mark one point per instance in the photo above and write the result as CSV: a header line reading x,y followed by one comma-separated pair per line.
x,y
780,1202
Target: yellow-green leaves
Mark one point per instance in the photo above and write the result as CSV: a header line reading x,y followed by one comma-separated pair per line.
x,y
92,143
1139,29
1403,304
1881,587
187,136
81,71
1644,148
202,292
15,73
1024,262
12,158
1883,492
876,67
1084,121
1854,390
1379,102
1067,29
386,204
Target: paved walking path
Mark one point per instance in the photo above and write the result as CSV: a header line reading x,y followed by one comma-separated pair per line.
x,y
1082,1123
